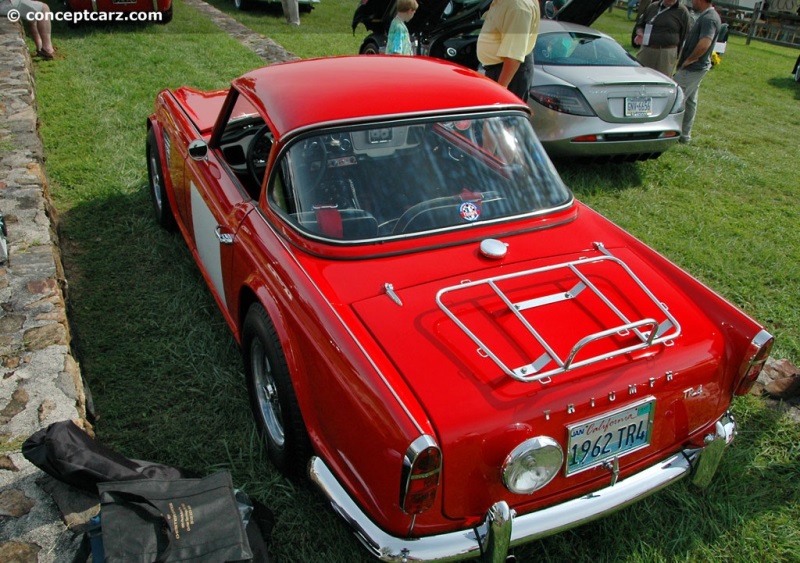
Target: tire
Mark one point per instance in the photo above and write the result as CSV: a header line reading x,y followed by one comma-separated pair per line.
x,y
166,16
158,191
370,47
241,4
272,397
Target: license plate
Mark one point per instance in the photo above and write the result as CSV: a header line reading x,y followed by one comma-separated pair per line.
x,y
592,442
638,107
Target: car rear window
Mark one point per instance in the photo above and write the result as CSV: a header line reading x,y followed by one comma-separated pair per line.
x,y
399,179
580,49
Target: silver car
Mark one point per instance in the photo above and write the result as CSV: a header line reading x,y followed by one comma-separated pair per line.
x,y
590,98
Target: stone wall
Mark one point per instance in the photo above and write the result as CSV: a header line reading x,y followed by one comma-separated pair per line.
x,y
40,381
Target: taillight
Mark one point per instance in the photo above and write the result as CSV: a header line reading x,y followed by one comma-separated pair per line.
x,y
680,102
753,361
422,466
563,99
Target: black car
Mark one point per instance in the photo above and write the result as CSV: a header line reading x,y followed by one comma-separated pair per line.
x,y
796,70
448,29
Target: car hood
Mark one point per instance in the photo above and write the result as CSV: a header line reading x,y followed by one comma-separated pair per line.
x,y
376,15
480,412
582,12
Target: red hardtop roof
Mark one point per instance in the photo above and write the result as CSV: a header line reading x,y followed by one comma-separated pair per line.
x,y
299,94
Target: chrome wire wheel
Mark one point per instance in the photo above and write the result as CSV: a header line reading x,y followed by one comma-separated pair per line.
x,y
155,182
266,393
158,189
272,397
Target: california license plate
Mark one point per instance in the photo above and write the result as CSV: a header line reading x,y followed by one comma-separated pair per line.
x,y
638,107
592,442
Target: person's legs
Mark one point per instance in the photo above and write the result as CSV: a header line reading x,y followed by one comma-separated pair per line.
x,y
689,81
39,26
291,10
44,35
523,78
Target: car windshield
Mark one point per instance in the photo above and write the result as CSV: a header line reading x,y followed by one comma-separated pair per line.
x,y
580,49
393,180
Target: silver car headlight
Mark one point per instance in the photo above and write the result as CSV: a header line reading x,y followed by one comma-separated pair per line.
x,y
532,465
680,102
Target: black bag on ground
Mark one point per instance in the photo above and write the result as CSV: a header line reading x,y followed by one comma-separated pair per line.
x,y
69,454
166,520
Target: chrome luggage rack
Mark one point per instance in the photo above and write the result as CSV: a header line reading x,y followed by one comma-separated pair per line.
x,y
648,331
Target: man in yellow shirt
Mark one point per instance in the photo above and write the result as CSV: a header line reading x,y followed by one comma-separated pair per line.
x,y
505,44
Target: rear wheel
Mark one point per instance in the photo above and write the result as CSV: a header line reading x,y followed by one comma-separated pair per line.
x,y
370,46
272,397
158,192
166,16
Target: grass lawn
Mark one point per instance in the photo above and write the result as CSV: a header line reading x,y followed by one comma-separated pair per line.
x,y
166,375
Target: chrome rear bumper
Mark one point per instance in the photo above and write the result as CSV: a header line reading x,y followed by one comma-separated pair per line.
x,y
501,528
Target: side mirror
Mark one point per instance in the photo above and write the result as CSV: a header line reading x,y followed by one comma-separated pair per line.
x,y
198,149
549,9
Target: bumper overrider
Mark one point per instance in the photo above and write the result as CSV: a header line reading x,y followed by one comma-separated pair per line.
x,y
502,529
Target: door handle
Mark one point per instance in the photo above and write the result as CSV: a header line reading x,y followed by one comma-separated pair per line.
x,y
223,238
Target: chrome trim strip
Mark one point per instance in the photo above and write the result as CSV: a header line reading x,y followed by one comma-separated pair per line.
x,y
464,544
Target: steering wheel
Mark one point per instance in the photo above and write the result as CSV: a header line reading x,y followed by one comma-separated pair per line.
x,y
431,209
441,212
314,161
258,154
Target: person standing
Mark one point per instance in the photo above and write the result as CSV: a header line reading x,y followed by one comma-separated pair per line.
x,y
660,32
506,41
291,11
632,5
398,42
695,60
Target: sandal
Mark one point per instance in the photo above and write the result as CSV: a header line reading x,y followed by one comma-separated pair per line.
x,y
45,56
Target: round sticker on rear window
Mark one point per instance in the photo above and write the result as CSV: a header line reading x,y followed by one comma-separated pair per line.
x,y
469,211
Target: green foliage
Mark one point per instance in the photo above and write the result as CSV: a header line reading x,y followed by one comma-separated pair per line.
x,y
165,370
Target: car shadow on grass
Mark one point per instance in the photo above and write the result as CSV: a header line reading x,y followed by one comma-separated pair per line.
x,y
165,372
587,177
787,83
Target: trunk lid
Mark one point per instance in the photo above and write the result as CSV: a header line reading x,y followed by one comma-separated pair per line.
x,y
608,100
482,389
582,12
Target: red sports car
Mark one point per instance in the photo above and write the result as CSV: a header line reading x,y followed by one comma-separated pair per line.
x,y
461,355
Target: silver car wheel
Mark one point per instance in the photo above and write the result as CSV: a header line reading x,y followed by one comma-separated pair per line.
x,y
158,190
155,183
266,393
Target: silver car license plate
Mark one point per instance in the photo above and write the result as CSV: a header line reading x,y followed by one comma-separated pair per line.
x,y
639,107
614,434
